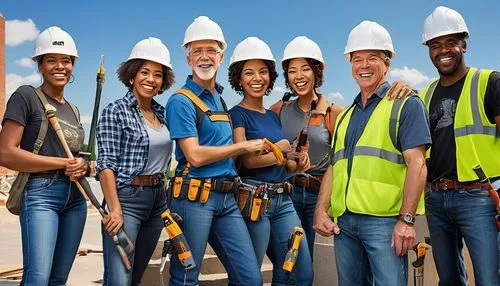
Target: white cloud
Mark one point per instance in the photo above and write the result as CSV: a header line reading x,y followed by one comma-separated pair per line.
x,y
86,119
280,89
25,62
412,76
13,81
17,32
335,95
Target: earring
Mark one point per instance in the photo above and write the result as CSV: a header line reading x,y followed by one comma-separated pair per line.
x,y
72,79
131,82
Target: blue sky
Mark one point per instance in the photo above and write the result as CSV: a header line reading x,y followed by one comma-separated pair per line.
x,y
113,27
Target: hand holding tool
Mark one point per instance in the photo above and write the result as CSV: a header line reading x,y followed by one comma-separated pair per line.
x,y
276,150
302,138
123,244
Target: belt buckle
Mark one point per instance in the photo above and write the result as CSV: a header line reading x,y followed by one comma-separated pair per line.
x,y
156,181
444,184
303,181
226,186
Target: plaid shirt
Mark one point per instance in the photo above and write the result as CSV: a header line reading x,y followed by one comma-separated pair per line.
x,y
122,139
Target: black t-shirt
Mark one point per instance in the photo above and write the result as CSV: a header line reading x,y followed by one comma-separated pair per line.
x,y
25,107
443,163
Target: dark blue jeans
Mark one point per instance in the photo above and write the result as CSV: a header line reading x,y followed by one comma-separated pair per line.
x,y
457,215
272,232
219,222
364,254
53,215
142,208
304,201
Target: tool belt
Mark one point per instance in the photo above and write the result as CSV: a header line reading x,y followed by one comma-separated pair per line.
x,y
453,184
308,181
253,197
198,189
148,180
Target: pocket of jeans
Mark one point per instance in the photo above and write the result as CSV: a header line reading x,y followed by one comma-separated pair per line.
x,y
476,193
128,192
37,184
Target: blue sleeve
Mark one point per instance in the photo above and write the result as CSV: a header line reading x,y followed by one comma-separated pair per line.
x,y
181,117
109,133
237,117
414,125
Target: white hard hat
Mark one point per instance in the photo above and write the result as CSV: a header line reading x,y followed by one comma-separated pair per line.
x,y
54,40
251,48
151,49
369,36
443,21
303,47
203,28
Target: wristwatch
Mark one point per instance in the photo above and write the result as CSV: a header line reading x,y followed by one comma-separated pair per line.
x,y
407,218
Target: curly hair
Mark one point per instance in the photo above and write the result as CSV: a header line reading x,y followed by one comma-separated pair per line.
x,y
128,70
316,66
236,69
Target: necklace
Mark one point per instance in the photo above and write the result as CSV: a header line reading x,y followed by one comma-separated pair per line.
x,y
153,120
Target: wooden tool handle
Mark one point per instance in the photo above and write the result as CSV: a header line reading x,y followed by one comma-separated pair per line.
x,y
57,128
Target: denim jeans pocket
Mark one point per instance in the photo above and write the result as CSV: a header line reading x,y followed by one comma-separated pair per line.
x,y
37,184
475,192
128,192
427,192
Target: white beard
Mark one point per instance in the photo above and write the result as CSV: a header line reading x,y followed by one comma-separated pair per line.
x,y
205,75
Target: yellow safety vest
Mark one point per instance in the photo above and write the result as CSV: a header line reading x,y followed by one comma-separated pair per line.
x,y
375,185
477,140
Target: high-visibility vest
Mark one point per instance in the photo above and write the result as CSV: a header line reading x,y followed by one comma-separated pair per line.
x,y
375,184
477,140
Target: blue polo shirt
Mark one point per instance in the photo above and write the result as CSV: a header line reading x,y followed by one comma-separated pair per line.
x,y
413,125
181,122
258,126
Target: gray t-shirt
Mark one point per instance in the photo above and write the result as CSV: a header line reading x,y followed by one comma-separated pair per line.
x,y
293,120
160,150
25,107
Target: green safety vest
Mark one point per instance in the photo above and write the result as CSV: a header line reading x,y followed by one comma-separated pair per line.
x,y
477,140
375,185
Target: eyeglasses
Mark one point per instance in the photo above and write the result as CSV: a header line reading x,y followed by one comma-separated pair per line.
x,y
209,52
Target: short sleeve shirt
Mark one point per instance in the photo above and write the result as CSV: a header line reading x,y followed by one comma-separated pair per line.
x,y
181,122
257,126
25,108
413,127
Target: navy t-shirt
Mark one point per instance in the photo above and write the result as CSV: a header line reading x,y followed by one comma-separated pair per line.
x,y
257,126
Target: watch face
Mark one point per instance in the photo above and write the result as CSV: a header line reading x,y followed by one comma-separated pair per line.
x,y
408,218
